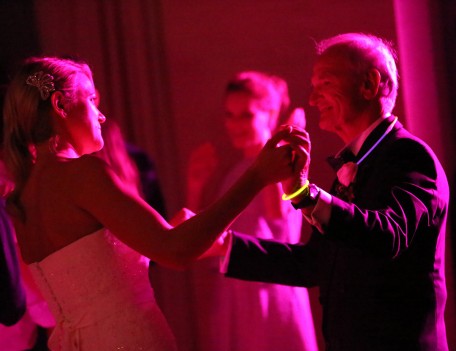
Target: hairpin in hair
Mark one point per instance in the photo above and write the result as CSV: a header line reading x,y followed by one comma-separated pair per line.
x,y
44,83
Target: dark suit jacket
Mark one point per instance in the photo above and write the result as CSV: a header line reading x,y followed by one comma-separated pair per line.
x,y
12,294
380,263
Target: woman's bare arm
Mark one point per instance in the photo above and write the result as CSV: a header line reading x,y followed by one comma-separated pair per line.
x,y
143,229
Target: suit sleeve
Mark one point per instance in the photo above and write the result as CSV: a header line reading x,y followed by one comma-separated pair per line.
x,y
272,261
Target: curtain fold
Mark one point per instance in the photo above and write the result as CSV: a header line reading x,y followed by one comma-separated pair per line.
x,y
123,43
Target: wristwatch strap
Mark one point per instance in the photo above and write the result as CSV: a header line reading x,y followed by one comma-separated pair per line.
x,y
310,197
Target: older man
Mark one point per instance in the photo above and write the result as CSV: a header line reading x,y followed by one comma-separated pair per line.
x,y
377,248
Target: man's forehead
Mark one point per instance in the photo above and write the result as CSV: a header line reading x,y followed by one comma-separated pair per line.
x,y
331,64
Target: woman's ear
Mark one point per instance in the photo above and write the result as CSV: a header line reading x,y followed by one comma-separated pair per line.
x,y
371,84
57,102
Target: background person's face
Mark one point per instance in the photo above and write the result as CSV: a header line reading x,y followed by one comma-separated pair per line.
x,y
247,124
336,92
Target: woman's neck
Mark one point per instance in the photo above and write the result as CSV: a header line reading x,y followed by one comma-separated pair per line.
x,y
45,151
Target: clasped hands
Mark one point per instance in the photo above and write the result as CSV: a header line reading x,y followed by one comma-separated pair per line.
x,y
300,154
300,160
289,153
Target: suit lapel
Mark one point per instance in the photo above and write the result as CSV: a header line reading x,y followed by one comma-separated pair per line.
x,y
341,191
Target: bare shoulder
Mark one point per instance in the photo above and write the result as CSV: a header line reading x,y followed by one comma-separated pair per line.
x,y
87,168
89,176
88,163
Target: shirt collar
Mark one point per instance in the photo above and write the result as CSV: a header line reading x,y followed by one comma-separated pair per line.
x,y
356,144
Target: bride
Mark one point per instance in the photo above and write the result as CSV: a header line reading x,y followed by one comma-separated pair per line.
x,y
82,233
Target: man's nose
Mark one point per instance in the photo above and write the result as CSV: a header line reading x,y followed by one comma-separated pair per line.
x,y
101,118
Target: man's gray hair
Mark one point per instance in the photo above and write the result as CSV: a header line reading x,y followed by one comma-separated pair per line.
x,y
366,51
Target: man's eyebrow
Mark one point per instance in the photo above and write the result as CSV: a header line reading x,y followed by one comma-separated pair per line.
x,y
323,73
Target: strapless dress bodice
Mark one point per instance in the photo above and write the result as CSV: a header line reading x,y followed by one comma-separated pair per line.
x,y
99,293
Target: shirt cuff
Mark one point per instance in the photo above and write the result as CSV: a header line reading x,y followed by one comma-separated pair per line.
x,y
321,213
225,260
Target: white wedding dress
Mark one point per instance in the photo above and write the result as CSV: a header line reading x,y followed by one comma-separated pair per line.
x,y
99,293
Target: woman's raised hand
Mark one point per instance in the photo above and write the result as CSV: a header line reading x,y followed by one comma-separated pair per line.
x,y
201,167
276,161
202,164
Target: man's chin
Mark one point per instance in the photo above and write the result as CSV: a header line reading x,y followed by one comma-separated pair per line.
x,y
325,125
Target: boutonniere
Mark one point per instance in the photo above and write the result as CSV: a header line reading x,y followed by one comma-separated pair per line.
x,y
347,173
346,176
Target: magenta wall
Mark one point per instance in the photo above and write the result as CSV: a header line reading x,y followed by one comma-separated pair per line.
x,y
426,33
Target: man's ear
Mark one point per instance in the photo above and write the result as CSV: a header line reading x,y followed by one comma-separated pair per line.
x,y
57,102
371,84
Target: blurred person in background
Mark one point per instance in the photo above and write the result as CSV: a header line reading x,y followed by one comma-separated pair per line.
x,y
232,314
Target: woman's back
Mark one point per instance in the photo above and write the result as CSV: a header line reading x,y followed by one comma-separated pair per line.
x,y
53,218
97,288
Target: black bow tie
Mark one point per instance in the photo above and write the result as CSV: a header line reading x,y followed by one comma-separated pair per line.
x,y
337,161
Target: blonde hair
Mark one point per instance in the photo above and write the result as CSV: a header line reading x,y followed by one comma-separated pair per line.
x,y
27,115
269,90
